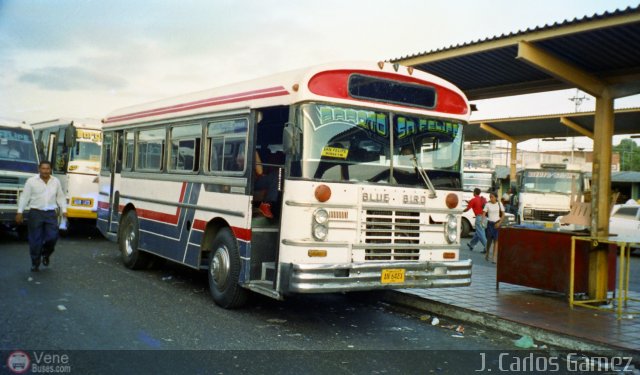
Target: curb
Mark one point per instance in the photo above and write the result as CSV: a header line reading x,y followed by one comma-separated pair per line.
x,y
498,323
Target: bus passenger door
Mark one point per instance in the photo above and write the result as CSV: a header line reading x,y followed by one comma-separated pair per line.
x,y
114,169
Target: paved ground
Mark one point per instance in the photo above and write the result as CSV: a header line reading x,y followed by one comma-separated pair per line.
x,y
546,316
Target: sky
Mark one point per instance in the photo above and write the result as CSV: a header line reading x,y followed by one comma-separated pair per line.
x,y
85,58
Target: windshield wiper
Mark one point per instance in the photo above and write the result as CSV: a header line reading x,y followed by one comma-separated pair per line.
x,y
422,173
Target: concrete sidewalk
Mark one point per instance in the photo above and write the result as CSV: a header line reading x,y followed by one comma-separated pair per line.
x,y
545,316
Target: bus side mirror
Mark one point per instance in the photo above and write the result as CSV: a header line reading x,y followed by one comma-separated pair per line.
x,y
70,136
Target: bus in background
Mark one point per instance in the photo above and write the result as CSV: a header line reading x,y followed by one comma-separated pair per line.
x,y
73,146
544,192
336,178
18,162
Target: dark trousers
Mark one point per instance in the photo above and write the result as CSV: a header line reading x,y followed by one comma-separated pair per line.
x,y
268,182
43,234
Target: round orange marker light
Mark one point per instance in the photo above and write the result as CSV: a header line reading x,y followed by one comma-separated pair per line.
x,y
452,200
323,193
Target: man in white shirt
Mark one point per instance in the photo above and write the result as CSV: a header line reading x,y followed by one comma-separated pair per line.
x,y
42,194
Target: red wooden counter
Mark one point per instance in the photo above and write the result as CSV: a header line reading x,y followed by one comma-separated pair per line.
x,y
540,258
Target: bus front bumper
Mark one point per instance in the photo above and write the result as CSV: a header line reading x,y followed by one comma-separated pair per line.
x,y
330,278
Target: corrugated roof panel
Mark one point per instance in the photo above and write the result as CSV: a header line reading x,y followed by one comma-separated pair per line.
x,y
608,47
574,21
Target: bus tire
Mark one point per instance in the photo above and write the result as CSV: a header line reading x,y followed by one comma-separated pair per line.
x,y
466,228
224,271
128,241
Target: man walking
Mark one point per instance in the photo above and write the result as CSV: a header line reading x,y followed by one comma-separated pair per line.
x,y
477,205
42,194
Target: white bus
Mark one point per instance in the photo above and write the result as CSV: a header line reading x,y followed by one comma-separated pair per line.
x,y
18,162
367,164
73,146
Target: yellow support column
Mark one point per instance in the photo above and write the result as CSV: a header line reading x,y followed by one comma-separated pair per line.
x,y
601,190
513,162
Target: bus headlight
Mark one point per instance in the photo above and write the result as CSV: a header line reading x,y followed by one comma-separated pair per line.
x,y
320,231
527,213
451,229
321,216
320,224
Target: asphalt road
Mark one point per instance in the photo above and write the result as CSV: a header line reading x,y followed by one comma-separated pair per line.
x,y
89,305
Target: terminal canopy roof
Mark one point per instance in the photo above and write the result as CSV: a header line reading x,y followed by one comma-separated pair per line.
x,y
605,45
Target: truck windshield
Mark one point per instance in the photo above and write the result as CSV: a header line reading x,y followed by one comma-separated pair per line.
x,y
362,145
541,181
17,151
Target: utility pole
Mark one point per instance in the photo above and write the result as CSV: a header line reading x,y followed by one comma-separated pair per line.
x,y
577,101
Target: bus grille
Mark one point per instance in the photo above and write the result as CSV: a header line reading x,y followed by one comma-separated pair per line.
x,y
9,180
8,196
383,227
544,215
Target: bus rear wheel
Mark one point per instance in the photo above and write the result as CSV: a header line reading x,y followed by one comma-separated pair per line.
x,y
128,242
224,271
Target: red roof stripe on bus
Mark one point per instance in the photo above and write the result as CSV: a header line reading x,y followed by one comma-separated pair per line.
x,y
219,100
223,97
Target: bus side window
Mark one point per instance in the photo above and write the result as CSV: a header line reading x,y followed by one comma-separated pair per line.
x,y
129,149
234,158
185,148
215,154
226,142
106,152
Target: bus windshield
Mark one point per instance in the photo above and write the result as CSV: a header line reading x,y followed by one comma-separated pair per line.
x,y
362,145
86,151
541,181
17,152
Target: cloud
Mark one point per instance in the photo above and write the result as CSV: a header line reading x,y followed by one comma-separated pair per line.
x,y
72,78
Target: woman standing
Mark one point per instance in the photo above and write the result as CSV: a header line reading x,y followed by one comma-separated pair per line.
x,y
494,211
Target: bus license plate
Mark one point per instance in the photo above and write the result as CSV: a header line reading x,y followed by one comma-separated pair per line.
x,y
392,276
82,202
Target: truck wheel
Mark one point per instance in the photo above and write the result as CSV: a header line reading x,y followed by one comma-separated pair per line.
x,y
466,228
128,242
224,271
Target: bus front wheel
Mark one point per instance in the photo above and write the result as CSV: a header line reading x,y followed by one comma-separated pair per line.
x,y
224,271
466,228
128,241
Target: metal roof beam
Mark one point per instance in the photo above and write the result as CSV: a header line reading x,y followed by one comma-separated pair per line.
x,y
560,69
490,129
572,125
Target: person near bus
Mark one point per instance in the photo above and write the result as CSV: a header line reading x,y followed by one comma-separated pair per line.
x,y
513,201
494,211
43,195
477,205
269,183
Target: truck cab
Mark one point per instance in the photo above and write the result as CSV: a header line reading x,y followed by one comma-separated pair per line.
x,y
544,192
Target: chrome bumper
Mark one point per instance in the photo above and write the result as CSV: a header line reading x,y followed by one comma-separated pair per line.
x,y
330,278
